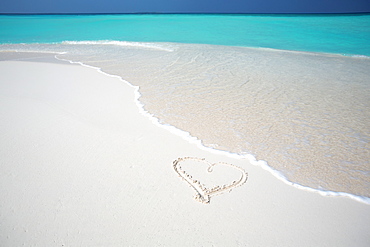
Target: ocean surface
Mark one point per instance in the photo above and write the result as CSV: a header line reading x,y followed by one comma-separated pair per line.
x,y
292,90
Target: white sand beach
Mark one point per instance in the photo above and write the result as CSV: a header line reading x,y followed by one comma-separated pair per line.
x,y
81,166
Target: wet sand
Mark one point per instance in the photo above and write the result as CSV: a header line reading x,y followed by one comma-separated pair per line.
x,y
80,165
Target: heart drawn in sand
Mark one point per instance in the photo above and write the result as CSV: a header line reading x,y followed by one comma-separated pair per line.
x,y
204,194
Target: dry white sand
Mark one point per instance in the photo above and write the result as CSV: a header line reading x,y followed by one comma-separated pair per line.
x,y
80,166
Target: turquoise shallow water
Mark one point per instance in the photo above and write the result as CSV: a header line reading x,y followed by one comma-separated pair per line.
x,y
342,34
306,114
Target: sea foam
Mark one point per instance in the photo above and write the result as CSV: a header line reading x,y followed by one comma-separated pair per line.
x,y
169,83
145,45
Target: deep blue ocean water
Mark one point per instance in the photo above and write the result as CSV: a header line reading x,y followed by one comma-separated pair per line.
x,y
341,34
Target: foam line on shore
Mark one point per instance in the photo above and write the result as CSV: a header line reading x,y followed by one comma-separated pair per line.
x,y
194,140
191,139
170,47
122,43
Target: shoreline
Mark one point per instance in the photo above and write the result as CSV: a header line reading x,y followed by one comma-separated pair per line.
x,y
198,142
251,158
81,159
156,45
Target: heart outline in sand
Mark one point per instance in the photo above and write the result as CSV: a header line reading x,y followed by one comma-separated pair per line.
x,y
204,194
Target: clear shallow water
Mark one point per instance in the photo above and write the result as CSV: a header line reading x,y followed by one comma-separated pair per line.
x,y
342,34
306,114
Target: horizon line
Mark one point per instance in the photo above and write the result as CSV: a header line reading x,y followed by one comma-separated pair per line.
x,y
192,13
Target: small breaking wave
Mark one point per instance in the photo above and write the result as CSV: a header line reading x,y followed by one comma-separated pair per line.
x,y
145,45
245,156
60,49
360,56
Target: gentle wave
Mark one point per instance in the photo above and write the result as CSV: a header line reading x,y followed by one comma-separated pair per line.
x,y
313,53
162,46
360,56
170,47
62,49
194,140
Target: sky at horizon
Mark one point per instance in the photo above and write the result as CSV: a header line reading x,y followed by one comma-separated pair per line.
x,y
184,6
